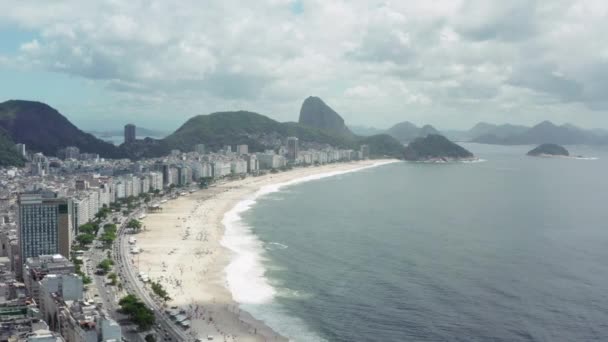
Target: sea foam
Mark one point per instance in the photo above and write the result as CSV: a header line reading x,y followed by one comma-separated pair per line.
x,y
245,273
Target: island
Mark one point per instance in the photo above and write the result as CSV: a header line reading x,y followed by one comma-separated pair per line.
x,y
549,150
436,148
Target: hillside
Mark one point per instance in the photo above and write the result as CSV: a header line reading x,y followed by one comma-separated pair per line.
x,y
43,129
383,145
8,153
549,150
435,147
317,114
407,131
258,131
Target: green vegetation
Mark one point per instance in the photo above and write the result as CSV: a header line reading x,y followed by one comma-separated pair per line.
x,y
204,182
113,278
85,239
8,154
141,315
78,268
103,213
43,129
109,234
134,224
383,145
160,291
150,338
435,147
549,149
86,280
106,265
89,228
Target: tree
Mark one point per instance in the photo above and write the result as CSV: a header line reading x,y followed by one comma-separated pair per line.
x,y
106,265
150,338
85,239
87,228
137,311
160,291
113,278
134,224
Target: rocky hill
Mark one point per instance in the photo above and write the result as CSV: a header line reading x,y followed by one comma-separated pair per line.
x,y
316,113
407,131
549,150
435,147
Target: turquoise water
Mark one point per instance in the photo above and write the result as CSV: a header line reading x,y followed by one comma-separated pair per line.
x,y
510,249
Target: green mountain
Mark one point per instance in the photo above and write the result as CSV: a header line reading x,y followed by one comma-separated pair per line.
x,y
43,129
435,147
8,154
407,131
550,150
259,132
242,127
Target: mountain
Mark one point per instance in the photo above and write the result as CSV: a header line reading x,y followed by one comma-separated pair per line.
x,y
383,145
315,113
242,127
43,129
8,154
549,150
499,131
435,147
544,132
365,131
407,131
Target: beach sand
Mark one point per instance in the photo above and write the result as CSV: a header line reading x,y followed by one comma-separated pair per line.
x,y
181,248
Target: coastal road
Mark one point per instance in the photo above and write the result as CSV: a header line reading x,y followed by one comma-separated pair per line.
x,y
133,285
108,295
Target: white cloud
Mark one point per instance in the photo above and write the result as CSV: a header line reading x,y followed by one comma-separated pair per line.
x,y
401,59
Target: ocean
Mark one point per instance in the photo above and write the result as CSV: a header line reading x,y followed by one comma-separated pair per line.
x,y
511,248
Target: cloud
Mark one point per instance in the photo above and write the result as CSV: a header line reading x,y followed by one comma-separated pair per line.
x,y
399,58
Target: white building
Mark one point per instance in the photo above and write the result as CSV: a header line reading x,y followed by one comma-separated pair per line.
x,y
238,167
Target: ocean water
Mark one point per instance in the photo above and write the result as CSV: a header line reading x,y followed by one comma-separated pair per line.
x,y
513,248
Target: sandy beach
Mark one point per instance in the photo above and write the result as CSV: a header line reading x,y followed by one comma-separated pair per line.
x,y
182,249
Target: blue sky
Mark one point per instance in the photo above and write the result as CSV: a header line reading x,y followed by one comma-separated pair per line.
x,y
450,63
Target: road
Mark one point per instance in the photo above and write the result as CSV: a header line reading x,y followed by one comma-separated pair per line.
x,y
132,284
109,295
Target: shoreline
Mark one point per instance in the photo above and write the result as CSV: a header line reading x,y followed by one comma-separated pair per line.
x,y
192,249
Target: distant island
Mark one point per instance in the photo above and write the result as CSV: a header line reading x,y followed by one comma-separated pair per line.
x,y
549,150
435,147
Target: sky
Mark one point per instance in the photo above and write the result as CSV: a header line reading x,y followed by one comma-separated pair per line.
x,y
450,63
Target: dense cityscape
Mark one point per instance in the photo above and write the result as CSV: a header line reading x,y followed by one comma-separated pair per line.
x,y
63,223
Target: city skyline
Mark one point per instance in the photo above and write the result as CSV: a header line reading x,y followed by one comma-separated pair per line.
x,y
451,64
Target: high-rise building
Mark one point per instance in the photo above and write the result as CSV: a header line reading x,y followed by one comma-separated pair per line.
x,y
129,133
21,149
199,148
44,226
364,151
72,152
292,148
242,149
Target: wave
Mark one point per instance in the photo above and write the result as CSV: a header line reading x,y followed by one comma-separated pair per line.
x,y
586,158
275,245
474,161
245,274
